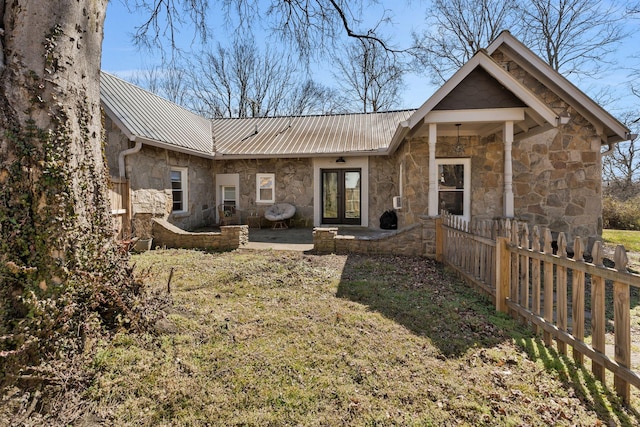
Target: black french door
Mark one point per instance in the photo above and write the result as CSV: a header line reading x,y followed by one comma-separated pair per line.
x,y
341,198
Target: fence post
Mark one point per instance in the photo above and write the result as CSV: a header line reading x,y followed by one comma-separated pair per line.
x,y
503,273
439,240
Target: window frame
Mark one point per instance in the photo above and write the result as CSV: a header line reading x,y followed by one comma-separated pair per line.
x,y
184,189
259,177
466,182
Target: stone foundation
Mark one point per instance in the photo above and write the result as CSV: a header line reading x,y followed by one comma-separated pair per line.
x,y
166,235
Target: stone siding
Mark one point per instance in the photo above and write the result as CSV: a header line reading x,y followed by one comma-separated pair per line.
x,y
293,181
166,235
383,186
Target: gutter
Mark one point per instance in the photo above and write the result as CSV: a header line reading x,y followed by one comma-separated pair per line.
x,y
629,137
121,165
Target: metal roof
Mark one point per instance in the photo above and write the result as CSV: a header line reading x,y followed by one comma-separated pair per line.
x,y
306,135
153,119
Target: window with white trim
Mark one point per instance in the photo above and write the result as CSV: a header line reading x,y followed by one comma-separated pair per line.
x,y
179,189
229,199
265,188
454,184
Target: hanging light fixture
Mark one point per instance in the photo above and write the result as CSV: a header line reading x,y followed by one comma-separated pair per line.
x,y
458,148
340,160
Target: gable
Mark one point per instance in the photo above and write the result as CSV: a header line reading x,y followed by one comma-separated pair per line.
x,y
479,90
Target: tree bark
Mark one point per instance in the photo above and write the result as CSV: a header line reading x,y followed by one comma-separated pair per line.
x,y
57,252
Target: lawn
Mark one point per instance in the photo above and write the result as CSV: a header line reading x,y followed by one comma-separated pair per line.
x,y
277,338
629,239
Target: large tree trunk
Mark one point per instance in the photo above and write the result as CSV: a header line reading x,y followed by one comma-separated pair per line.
x,y
57,251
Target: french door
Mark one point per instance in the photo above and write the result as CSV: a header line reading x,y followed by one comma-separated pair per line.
x,y
341,198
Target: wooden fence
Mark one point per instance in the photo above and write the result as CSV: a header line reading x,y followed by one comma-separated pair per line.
x,y
120,209
534,278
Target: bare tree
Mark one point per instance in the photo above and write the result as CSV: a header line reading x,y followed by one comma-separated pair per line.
x,y
457,30
242,81
621,168
572,36
171,83
370,75
310,97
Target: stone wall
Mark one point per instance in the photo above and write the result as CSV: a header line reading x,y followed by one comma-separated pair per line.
x,y
166,235
564,188
383,186
406,242
293,181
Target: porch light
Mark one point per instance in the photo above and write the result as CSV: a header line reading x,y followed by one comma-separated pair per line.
x,y
459,148
340,160
564,118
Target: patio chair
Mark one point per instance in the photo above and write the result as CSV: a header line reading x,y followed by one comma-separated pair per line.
x,y
279,214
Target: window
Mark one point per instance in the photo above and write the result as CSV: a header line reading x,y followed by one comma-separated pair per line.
x,y
179,189
229,197
265,188
454,182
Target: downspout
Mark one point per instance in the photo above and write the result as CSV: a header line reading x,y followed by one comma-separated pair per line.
x,y
121,165
612,146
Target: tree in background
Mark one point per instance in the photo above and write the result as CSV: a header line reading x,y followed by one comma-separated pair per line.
x,y
457,30
572,36
621,168
370,76
171,83
243,82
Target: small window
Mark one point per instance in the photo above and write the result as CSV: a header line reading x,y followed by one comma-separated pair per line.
x,y
265,188
179,189
229,197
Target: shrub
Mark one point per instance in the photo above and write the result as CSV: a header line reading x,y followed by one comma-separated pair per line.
x,y
621,215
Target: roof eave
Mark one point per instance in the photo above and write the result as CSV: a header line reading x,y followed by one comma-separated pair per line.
x,y
173,147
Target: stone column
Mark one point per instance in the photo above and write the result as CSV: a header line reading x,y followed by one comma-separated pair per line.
x,y
433,171
508,170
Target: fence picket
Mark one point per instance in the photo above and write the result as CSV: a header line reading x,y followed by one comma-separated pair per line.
x,y
535,276
622,323
524,268
561,292
598,318
515,294
548,285
577,300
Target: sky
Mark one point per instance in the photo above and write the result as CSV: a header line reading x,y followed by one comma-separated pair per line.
x,y
121,57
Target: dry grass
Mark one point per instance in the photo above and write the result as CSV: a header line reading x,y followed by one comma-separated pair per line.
x,y
276,338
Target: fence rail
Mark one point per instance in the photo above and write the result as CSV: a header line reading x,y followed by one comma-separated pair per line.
x,y
534,278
